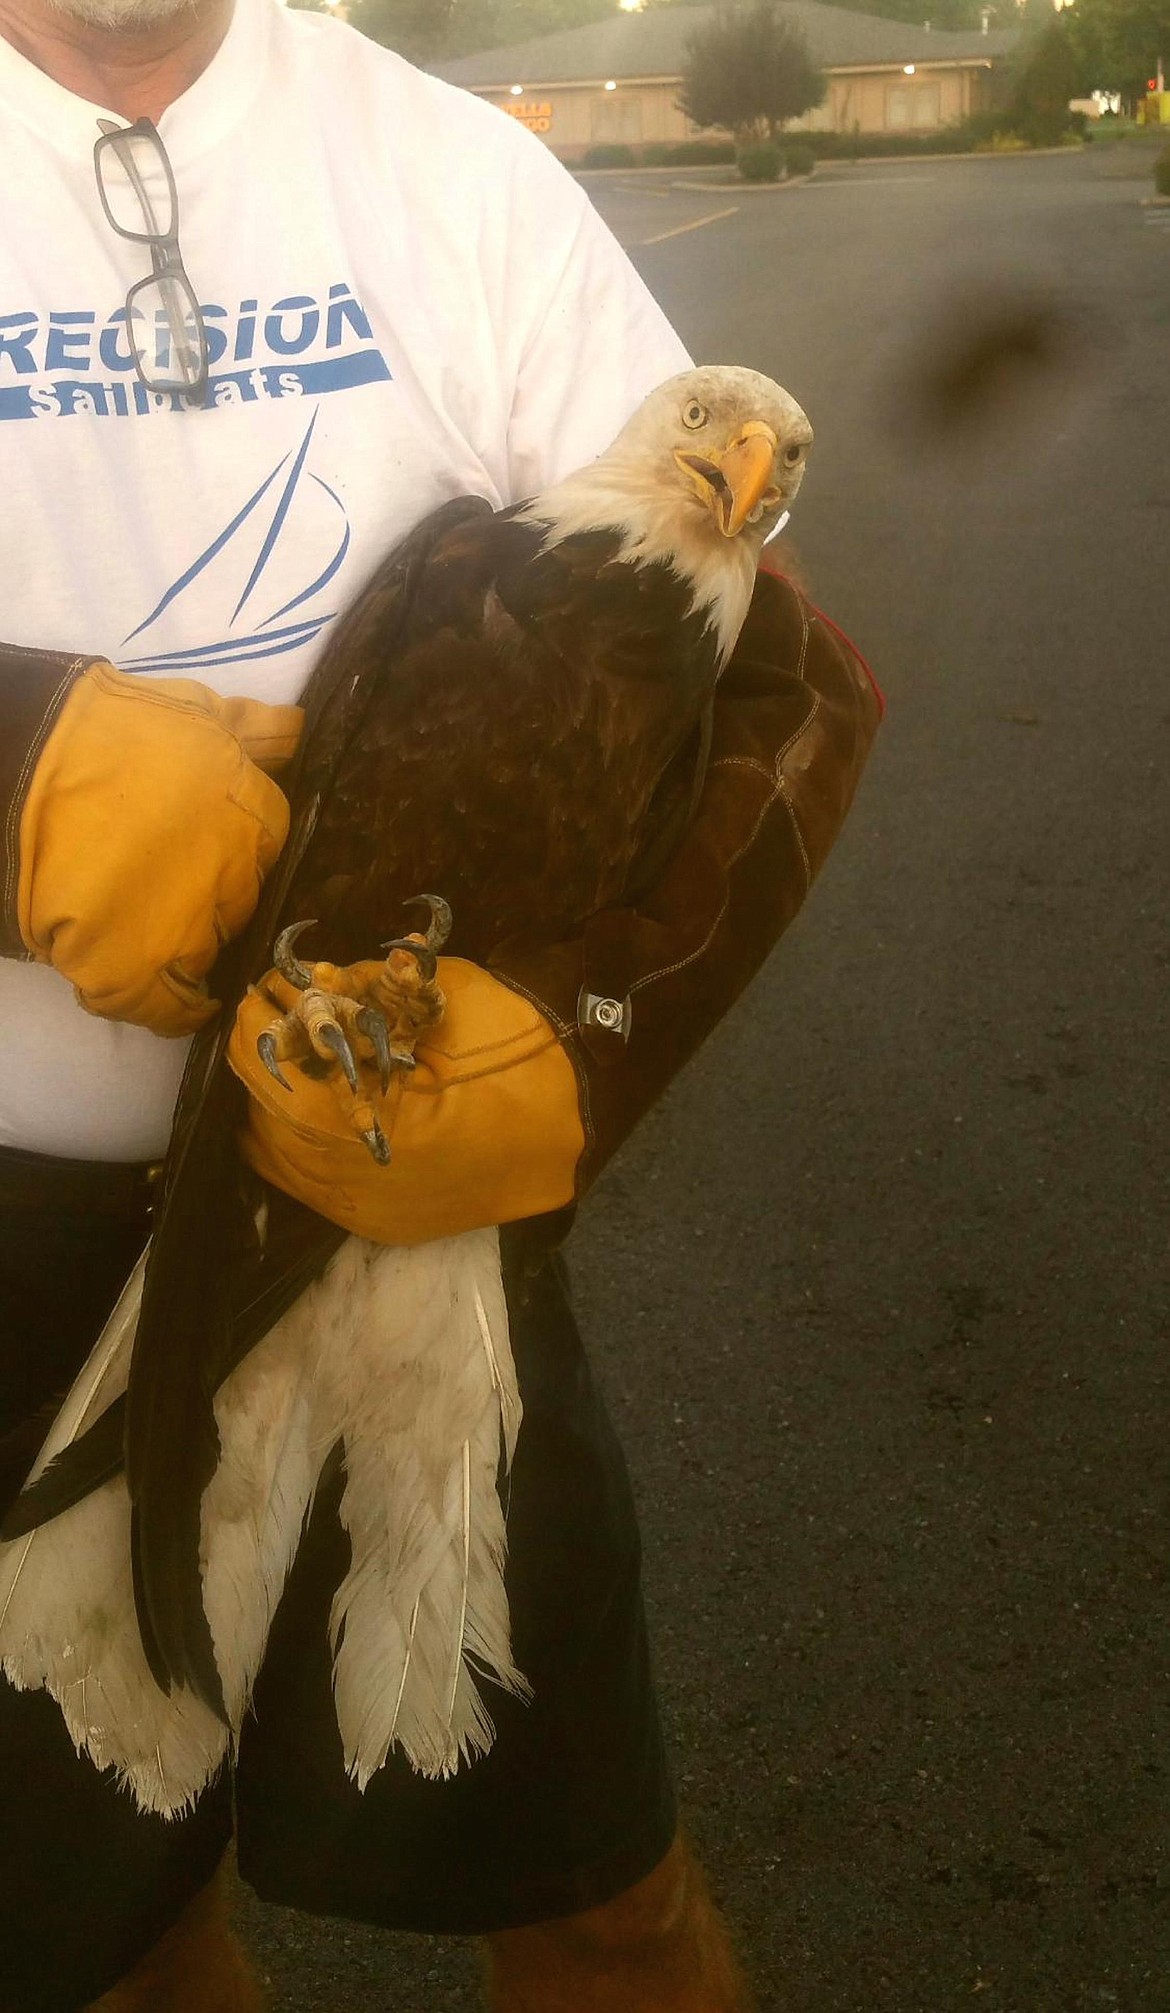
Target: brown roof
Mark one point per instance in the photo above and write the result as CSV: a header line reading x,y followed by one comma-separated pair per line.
x,y
653,44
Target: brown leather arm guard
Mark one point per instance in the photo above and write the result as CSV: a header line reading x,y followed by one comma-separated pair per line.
x,y
796,713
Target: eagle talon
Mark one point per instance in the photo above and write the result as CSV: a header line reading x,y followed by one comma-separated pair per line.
x,y
269,1055
372,1022
378,1144
428,963
439,928
287,965
346,1022
333,1038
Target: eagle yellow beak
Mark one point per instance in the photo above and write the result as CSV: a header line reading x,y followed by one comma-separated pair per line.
x,y
732,484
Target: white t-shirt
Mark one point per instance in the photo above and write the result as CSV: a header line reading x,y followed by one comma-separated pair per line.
x,y
407,298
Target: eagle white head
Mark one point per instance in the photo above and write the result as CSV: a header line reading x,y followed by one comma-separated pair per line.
x,y
697,478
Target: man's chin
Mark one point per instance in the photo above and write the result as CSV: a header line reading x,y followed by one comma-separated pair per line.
x,y
126,15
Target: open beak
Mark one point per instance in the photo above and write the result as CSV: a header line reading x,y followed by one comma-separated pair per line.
x,y
738,481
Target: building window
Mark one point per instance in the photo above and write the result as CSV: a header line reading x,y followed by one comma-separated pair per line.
x,y
615,116
913,107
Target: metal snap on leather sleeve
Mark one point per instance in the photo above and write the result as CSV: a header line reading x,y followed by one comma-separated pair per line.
x,y
613,1016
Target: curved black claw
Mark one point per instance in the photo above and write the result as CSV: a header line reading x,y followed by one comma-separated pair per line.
x,y
333,1038
378,1144
266,1050
428,963
289,967
441,918
373,1024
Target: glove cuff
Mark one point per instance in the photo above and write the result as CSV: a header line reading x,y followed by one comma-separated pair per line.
x,y
35,686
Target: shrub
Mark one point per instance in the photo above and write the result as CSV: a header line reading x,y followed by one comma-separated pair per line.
x,y
760,162
874,146
1162,172
979,126
697,153
608,154
799,160
685,154
1004,143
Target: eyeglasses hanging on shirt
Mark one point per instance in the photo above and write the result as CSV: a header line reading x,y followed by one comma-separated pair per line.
x,y
164,326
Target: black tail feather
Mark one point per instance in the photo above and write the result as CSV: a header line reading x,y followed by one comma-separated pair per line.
x,y
76,1472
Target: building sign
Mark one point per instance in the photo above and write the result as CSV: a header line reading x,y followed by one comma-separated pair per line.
x,y
536,116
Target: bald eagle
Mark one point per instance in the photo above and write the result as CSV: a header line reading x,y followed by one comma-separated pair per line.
x,y
512,714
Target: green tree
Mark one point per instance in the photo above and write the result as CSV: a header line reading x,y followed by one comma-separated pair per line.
x,y
1119,42
749,72
1048,73
426,31
959,14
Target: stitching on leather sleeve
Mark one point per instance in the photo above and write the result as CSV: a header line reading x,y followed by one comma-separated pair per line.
x,y
804,639
790,807
745,762
795,736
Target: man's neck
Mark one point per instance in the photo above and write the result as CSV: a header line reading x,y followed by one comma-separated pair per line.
x,y
137,71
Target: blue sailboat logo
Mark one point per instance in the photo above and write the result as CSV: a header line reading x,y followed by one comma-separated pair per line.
x,y
270,634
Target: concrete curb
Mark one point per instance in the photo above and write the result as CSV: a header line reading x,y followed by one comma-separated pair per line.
x,y
746,188
823,167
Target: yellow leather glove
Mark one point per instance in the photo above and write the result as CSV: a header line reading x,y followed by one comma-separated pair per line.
x,y
486,1129
145,832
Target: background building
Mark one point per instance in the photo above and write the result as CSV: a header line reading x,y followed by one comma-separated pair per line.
x,y
617,80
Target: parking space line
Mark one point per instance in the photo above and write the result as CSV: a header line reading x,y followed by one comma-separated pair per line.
x,y
695,225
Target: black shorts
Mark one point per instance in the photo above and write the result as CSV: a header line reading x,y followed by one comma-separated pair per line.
x,y
573,1803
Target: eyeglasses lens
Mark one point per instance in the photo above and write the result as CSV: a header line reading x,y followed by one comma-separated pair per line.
x,y
137,186
162,325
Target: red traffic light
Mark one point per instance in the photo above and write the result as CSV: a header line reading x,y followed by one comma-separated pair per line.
x,y
1151,83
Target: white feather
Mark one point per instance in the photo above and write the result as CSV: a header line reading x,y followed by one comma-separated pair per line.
x,y
422,1608
655,528
403,1355
67,1621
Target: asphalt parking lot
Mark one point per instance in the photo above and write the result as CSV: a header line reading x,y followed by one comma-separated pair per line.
x,y
650,208
880,1294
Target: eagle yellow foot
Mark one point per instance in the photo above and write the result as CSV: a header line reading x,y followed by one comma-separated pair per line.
x,y
336,1019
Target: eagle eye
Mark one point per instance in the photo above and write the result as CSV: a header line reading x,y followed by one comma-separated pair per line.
x,y
792,454
694,415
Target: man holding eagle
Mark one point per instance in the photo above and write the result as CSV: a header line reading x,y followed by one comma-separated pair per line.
x,y
260,1489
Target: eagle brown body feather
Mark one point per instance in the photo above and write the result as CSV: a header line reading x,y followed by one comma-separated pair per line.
x,y
512,748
